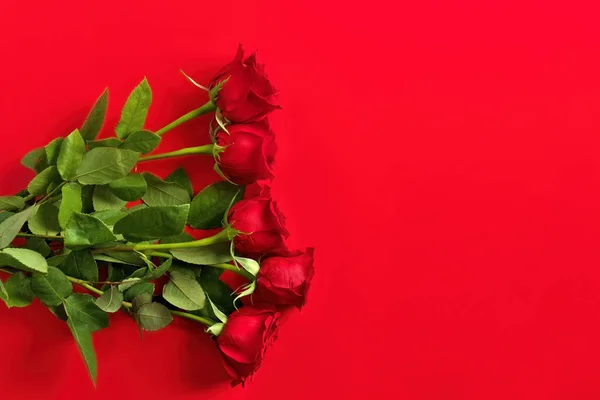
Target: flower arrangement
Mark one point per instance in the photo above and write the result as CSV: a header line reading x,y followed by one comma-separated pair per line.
x,y
87,220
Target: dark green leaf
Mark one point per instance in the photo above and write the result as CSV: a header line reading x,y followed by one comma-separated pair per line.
x,y
52,288
87,199
23,259
109,142
83,309
142,142
32,159
18,291
209,206
45,221
52,150
104,199
133,115
39,245
95,119
83,338
181,177
11,203
10,227
138,289
140,300
182,237
161,193
103,165
110,217
153,316
42,181
153,223
123,257
111,300
57,260
70,156
85,230
218,291
115,274
131,187
184,291
71,202
81,264
4,215
160,271
205,255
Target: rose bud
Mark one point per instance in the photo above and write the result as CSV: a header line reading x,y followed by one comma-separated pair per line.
x,y
285,280
246,94
249,152
245,338
261,224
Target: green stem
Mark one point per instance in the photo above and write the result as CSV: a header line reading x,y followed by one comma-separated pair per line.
x,y
205,109
221,237
197,318
206,149
158,254
86,285
234,269
49,237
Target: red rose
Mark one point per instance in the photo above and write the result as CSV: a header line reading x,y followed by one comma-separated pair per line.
x,y
261,222
286,280
245,338
248,95
249,152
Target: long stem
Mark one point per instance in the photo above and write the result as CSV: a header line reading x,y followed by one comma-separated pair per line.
x,y
197,318
220,237
49,237
205,109
206,149
234,269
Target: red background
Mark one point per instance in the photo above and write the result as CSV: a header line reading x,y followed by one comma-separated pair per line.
x,y
441,156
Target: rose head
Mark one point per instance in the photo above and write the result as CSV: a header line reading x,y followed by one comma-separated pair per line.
x,y
261,223
245,338
249,152
248,95
286,280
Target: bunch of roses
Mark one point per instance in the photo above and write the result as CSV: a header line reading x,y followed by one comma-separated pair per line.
x,y
87,219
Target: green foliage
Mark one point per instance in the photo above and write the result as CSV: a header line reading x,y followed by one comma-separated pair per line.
x,y
130,188
10,227
70,156
209,206
153,223
133,115
103,165
141,141
184,291
17,291
52,288
162,193
84,230
45,221
95,119
11,203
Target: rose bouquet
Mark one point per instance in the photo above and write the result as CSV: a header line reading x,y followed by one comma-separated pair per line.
x,y
88,221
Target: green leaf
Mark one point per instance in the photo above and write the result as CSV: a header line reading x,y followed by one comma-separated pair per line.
x,y
184,291
133,115
109,142
17,291
52,288
153,316
45,221
52,150
114,275
10,227
85,230
103,165
209,206
33,159
87,199
39,245
140,300
161,193
138,289
11,203
104,199
205,255
153,223
42,181
4,215
182,237
83,338
110,217
111,300
141,141
24,259
181,177
160,271
95,119
71,203
83,309
123,257
57,260
70,156
218,291
81,264
131,187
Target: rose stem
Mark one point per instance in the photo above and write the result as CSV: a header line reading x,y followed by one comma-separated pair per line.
x,y
206,149
205,109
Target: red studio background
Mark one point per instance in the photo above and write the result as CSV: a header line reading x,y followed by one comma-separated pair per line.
x,y
442,156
